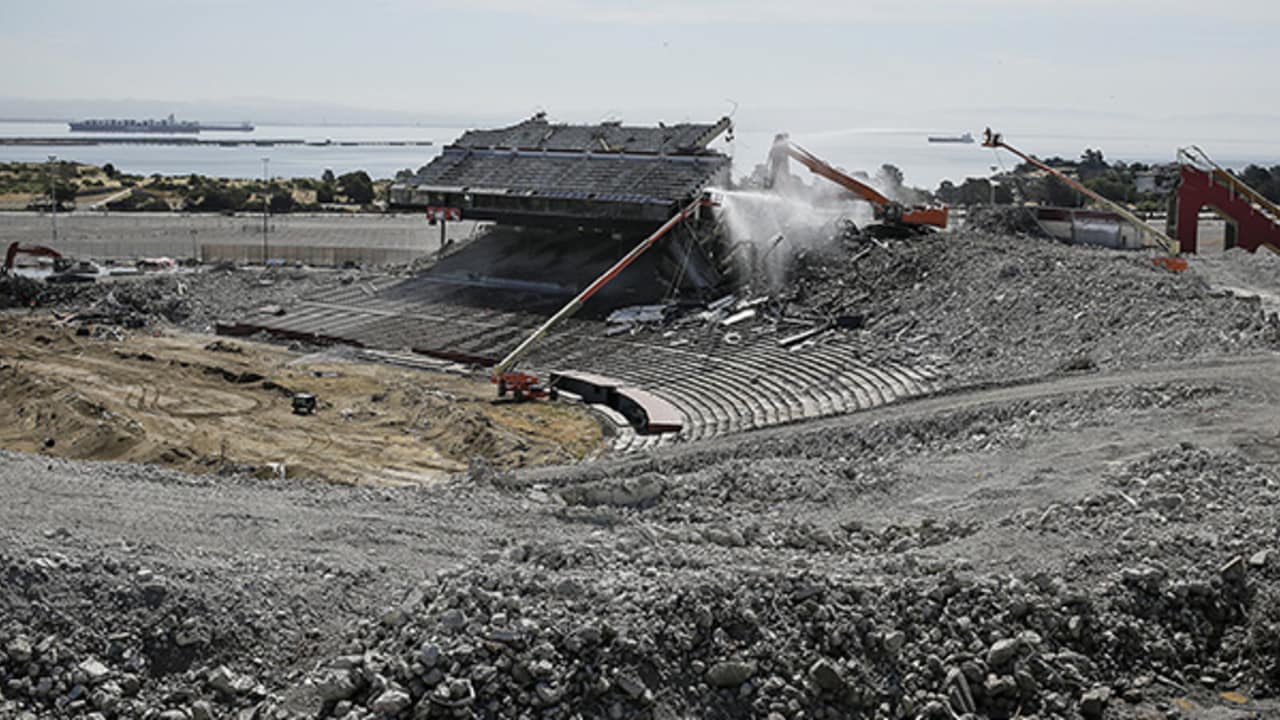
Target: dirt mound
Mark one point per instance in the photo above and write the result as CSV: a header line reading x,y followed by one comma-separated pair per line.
x,y
105,394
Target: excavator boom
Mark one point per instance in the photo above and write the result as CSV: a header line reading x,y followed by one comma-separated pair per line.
x,y
1166,243
886,210
525,385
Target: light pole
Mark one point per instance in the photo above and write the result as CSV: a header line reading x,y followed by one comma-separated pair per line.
x,y
53,201
266,207
992,183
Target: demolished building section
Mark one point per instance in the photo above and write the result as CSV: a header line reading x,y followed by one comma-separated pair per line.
x,y
609,176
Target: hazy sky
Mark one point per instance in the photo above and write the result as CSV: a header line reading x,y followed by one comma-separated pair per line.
x,y
1128,63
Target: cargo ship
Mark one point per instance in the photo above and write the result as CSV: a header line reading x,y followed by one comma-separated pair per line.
x,y
965,138
163,125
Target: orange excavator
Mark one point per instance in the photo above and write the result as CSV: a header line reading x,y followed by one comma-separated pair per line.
x,y
16,249
896,218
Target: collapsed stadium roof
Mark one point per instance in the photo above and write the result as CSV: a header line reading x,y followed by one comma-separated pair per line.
x,y
536,172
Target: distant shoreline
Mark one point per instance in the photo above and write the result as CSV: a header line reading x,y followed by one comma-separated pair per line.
x,y
185,141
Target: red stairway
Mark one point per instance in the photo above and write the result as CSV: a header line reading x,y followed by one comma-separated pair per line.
x,y
1252,220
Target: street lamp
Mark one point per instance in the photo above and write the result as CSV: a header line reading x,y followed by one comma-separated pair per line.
x,y
266,207
53,201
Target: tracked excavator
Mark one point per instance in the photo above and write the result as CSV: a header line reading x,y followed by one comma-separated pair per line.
x,y
16,249
895,218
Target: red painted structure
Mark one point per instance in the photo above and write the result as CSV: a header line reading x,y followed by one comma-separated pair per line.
x,y
1252,220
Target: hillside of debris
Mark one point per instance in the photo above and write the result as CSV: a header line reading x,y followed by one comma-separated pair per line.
x,y
992,307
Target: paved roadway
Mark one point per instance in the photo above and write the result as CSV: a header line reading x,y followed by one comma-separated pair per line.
x,y
125,235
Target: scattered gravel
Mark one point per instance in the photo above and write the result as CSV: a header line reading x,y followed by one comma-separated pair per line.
x,y
1050,556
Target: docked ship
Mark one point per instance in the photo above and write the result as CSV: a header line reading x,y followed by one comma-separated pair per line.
x,y
163,125
965,138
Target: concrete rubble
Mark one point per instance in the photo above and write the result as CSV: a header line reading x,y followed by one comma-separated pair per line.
x,y
1068,545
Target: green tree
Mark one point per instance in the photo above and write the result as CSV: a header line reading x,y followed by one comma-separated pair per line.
x,y
946,192
1092,164
109,170
326,177
357,186
282,200
215,198
1059,194
1111,188
1263,180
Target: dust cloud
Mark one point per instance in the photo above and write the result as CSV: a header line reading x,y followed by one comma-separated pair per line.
x,y
767,228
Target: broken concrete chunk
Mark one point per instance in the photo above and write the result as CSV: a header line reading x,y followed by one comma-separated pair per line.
x,y
95,672
730,673
1233,570
1094,702
1002,652
391,702
827,675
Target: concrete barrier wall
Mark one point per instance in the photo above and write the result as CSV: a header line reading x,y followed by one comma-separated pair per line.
x,y
132,235
251,253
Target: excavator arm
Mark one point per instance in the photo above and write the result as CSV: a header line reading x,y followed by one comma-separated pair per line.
x,y
886,210
524,385
16,249
1169,245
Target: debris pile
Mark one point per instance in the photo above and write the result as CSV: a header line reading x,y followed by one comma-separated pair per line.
x,y
193,301
1003,220
516,638
100,635
999,307
983,307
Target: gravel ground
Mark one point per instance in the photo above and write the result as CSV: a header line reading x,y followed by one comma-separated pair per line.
x,y
857,567
1099,543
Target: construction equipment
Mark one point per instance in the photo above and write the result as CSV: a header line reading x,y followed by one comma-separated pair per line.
x,y
16,249
525,386
896,218
1169,245
304,404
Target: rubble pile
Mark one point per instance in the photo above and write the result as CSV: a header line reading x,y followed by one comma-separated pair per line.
x,y
194,301
636,636
1003,220
1000,307
17,291
109,636
728,580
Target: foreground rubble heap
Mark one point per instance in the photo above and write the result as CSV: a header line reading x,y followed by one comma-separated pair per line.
x,y
712,585
1089,545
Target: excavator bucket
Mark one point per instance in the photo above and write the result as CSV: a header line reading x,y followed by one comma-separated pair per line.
x,y
1171,263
